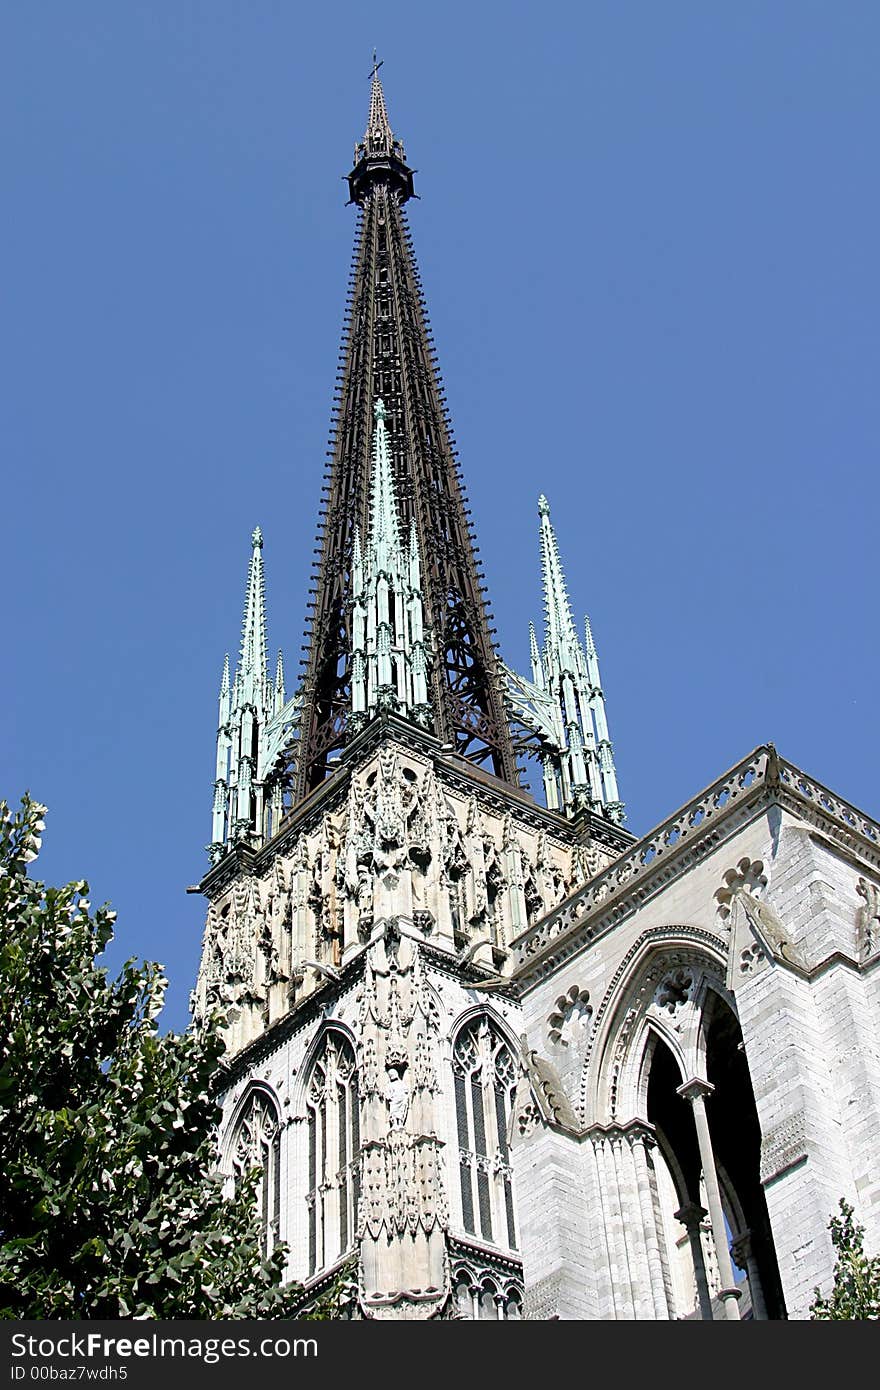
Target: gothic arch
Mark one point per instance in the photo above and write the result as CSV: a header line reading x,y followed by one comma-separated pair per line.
x,y
611,1081
668,1054
483,1293
253,1140
299,1091
484,1060
328,1099
655,1033
473,1011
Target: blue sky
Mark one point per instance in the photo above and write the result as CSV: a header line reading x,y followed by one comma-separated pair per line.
x,y
648,240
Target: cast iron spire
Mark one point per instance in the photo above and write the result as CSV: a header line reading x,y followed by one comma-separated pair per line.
x,y
387,355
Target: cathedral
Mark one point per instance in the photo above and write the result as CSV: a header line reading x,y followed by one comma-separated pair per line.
x,y
494,1057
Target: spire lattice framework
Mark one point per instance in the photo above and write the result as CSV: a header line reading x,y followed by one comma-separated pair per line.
x,y
388,354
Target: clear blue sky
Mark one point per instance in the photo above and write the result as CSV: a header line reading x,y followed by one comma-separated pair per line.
x,y
648,238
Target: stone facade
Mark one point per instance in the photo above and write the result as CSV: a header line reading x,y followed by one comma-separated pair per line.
x,y
361,960
468,1041
742,931
495,1059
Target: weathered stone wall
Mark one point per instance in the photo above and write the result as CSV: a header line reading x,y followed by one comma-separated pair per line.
x,y
779,914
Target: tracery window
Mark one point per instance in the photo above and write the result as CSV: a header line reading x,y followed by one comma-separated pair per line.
x,y
334,1142
256,1143
485,1073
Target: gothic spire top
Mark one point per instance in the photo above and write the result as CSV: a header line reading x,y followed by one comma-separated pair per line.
x,y
563,704
562,638
253,657
378,124
380,156
384,530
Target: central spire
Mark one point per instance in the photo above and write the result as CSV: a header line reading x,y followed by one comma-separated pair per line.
x,y
388,356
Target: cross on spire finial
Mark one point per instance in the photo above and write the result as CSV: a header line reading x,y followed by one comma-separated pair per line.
x,y
374,70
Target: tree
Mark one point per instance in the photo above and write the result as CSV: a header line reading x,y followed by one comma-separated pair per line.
x,y
856,1289
110,1203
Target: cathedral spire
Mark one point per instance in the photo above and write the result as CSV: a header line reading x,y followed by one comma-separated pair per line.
x,y
378,125
279,682
563,705
387,353
379,155
254,728
562,645
388,666
384,533
252,661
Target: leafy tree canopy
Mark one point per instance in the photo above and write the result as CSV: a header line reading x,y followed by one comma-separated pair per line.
x,y
110,1203
856,1289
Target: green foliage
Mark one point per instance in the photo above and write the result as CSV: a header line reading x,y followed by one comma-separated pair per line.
x,y
856,1289
110,1205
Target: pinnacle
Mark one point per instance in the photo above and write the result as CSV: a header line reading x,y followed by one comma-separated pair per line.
x,y
383,519
252,656
378,124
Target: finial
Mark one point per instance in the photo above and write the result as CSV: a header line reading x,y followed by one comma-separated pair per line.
x,y
379,410
257,538
543,506
376,66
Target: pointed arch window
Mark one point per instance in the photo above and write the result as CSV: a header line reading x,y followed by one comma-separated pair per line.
x,y
485,1073
256,1143
334,1143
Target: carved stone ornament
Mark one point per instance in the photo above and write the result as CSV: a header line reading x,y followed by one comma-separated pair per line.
x,y
868,919
747,877
757,935
397,1096
570,1020
674,991
548,1091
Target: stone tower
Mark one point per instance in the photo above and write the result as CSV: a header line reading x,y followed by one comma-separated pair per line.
x,y
496,1058
373,854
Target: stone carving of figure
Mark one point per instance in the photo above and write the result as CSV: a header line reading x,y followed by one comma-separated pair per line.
x,y
868,920
397,1096
477,894
454,858
764,920
386,819
534,899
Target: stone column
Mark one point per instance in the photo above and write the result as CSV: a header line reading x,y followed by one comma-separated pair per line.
x,y
638,1143
696,1092
744,1255
691,1215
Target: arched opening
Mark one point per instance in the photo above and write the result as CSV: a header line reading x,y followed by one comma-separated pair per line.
x,y
334,1144
734,1138
481,1298
485,1074
255,1143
